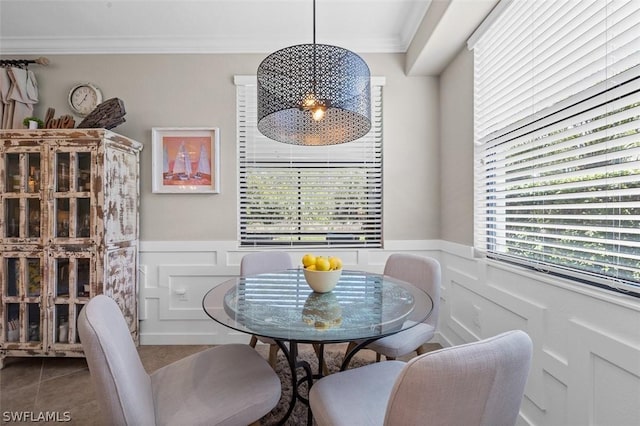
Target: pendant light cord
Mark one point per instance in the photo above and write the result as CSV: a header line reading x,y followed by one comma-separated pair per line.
x,y
313,77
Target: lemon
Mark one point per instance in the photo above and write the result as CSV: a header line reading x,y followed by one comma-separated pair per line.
x,y
322,264
308,260
311,267
335,263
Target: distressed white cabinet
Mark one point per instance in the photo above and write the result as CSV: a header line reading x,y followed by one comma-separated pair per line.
x,y
69,231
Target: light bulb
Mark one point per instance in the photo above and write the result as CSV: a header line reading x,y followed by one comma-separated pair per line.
x,y
312,104
309,101
317,113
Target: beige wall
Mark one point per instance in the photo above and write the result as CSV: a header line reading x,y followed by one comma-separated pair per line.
x,y
456,150
198,90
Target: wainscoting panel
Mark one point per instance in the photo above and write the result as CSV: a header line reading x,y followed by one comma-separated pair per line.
x,y
183,288
480,310
175,276
464,311
607,369
586,361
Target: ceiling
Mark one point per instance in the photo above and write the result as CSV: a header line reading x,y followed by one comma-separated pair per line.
x,y
429,31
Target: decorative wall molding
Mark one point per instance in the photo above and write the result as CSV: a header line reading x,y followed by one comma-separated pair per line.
x,y
605,367
175,276
585,339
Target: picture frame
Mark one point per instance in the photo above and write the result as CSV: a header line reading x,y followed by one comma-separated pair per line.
x,y
186,160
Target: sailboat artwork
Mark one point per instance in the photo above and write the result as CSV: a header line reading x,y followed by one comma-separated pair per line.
x,y
186,161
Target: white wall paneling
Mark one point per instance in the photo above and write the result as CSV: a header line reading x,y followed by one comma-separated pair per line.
x,y
605,365
586,360
175,276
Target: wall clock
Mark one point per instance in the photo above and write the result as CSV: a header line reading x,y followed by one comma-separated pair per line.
x,y
84,98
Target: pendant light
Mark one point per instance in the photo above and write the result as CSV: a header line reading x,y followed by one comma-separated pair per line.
x,y
314,94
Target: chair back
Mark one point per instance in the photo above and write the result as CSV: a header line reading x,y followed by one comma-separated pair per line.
x,y
480,383
423,272
264,262
123,387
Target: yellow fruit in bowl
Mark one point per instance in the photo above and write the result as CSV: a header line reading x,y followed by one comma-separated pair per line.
x,y
312,262
335,263
308,260
323,264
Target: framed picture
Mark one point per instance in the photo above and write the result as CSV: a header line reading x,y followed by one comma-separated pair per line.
x,y
186,160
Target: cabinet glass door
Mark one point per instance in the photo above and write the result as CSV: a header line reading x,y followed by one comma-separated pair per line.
x,y
22,200
72,217
72,273
21,278
12,217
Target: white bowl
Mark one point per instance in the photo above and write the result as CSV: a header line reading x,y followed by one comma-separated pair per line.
x,y
322,281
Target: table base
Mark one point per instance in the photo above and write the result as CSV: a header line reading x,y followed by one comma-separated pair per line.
x,y
291,354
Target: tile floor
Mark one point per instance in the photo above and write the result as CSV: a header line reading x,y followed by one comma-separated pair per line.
x,y
62,386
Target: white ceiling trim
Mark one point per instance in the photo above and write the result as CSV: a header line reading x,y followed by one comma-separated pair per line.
x,y
170,45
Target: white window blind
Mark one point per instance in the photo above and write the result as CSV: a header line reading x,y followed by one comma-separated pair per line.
x,y
557,131
308,195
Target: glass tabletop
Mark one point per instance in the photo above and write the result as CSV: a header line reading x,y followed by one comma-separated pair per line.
x,y
282,306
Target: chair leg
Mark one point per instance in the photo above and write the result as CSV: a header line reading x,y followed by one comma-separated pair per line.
x,y
350,347
273,355
325,369
423,349
253,342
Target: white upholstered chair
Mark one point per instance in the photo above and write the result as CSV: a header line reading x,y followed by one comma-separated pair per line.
x,y
480,383
223,385
261,263
424,273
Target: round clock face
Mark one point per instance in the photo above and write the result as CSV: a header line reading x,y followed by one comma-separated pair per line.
x,y
84,98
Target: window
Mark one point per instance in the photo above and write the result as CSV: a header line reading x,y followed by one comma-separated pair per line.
x,y
557,138
308,195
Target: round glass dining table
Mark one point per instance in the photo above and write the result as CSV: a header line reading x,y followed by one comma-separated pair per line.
x,y
363,307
